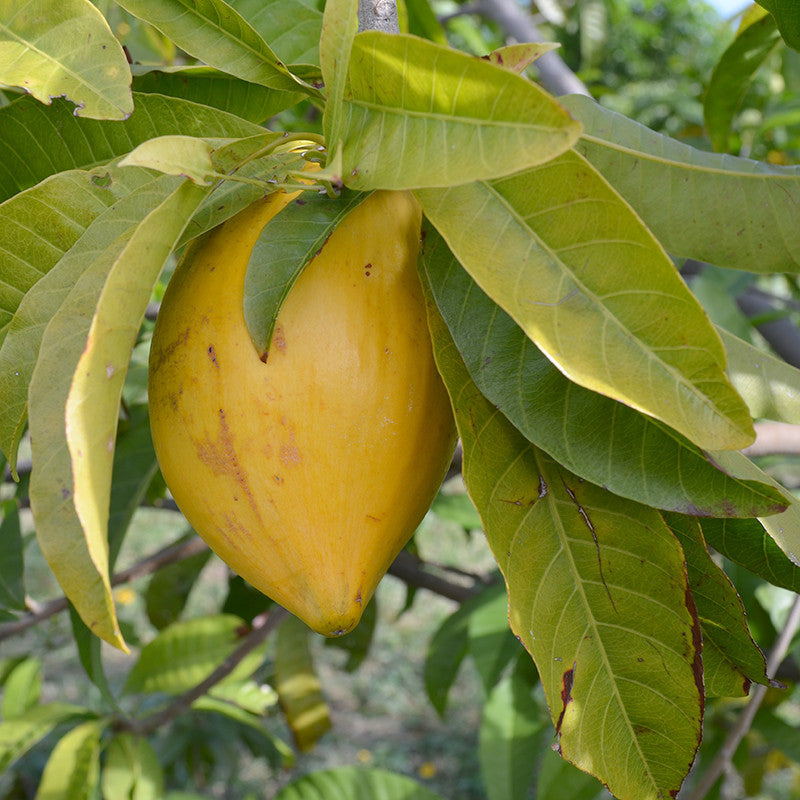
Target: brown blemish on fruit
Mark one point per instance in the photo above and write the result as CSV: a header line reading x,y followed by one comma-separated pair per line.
x,y
279,339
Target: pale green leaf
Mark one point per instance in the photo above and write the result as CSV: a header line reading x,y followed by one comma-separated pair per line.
x,y
51,254
598,595
418,114
292,27
594,436
559,251
519,56
38,141
339,25
713,207
186,653
131,770
210,87
22,688
18,735
65,49
508,737
783,528
216,34
769,386
787,15
286,245
183,156
298,686
733,73
73,770
354,783
255,698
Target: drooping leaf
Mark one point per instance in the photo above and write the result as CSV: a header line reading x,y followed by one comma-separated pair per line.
x,y
78,380
598,595
339,25
509,734
446,652
598,438
91,657
769,386
12,589
217,35
38,141
353,783
722,618
187,652
787,15
131,769
289,241
210,87
72,771
298,687
67,50
745,542
418,114
713,207
113,199
19,734
292,27
755,40
564,256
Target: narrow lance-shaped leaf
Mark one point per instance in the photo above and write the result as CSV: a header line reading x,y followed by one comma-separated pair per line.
x,y
594,436
65,49
598,595
729,211
567,259
216,34
755,40
421,114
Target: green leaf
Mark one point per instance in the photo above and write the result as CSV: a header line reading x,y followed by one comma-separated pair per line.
x,y
183,156
169,588
186,653
745,542
255,698
18,735
210,87
73,770
729,211
91,658
769,386
339,25
38,141
78,379
298,687
22,688
418,114
787,15
597,438
286,245
755,40
446,651
65,49
509,734
567,259
131,770
216,34
557,779
353,783
110,197
722,617
12,589
598,595
292,27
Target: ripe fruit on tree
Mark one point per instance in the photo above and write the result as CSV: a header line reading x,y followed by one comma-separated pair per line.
x,y
309,470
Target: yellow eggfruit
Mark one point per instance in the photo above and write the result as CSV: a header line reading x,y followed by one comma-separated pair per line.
x,y
306,471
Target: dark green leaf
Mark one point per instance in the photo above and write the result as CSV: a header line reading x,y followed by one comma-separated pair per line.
x,y
787,15
91,657
12,589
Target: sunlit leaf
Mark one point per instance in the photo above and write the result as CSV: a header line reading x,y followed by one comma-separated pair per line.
x,y
65,49
597,438
421,114
72,771
713,207
22,688
131,769
734,72
353,783
565,257
292,27
598,595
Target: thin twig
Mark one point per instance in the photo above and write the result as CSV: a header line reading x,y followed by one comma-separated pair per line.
x,y
263,625
724,756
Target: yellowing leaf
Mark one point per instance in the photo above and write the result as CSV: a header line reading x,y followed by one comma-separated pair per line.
x,y
567,259
65,48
